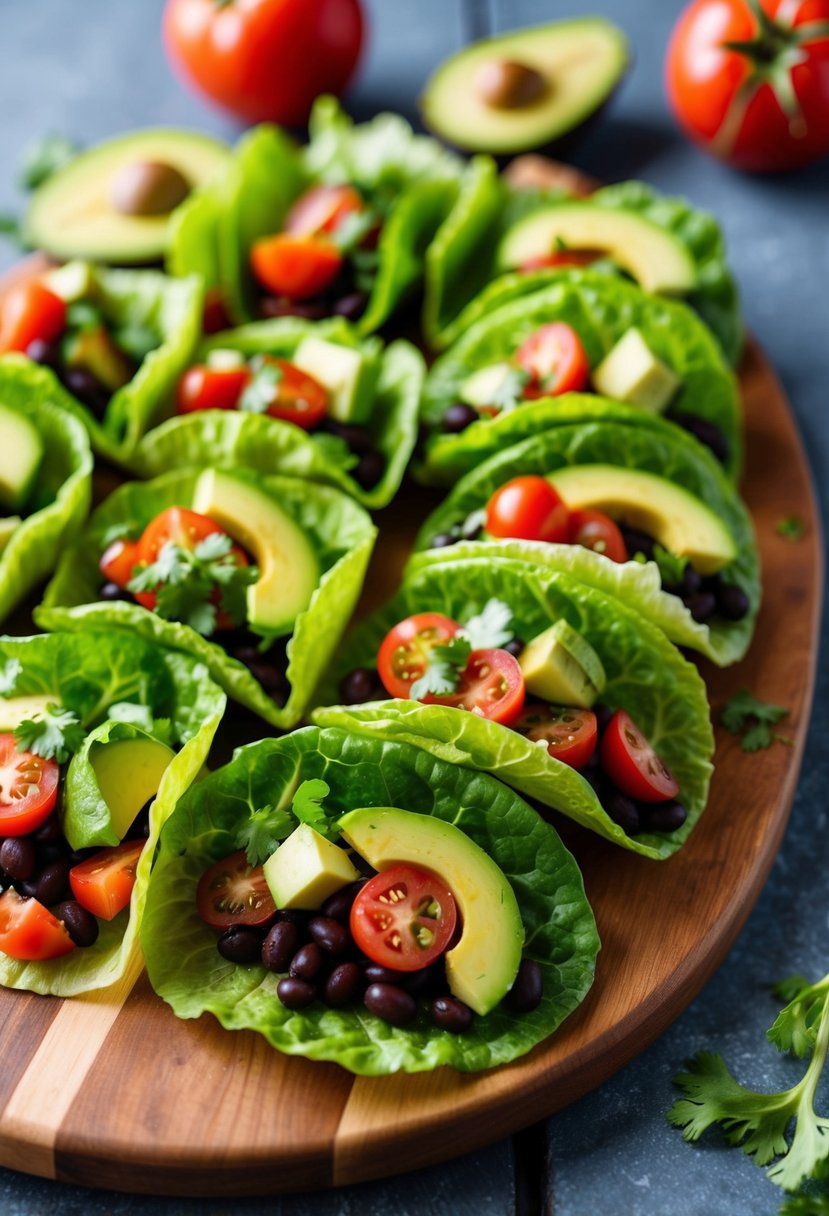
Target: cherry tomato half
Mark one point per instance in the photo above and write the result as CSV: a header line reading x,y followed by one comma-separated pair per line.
x,y
28,788
556,361
298,267
562,257
29,931
530,509
119,561
597,531
491,686
298,397
322,209
570,734
28,312
103,884
404,918
404,651
631,763
232,892
215,316
210,388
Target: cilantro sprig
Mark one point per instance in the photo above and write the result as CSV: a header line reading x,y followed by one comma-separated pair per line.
x,y
186,581
488,629
267,827
263,387
752,719
510,391
55,734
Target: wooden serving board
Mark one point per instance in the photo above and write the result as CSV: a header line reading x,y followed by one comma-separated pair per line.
x,y
113,1091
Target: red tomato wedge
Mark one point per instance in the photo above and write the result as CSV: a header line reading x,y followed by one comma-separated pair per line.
x,y
491,685
556,360
28,312
29,931
103,883
570,734
28,788
232,892
210,388
632,764
597,531
528,508
298,397
299,267
404,652
119,561
322,209
404,918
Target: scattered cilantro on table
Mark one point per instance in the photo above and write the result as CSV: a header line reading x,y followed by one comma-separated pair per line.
x,y
753,719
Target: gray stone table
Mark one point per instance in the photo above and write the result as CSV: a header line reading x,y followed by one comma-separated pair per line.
x,y
92,68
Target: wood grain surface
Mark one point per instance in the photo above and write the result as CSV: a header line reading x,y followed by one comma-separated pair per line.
x,y
112,1091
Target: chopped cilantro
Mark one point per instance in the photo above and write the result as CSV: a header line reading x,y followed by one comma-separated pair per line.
x,y
54,734
491,627
263,388
671,567
307,807
186,581
262,833
9,675
510,391
352,230
443,671
792,527
753,719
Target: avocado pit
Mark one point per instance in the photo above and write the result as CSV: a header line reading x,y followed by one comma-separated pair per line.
x,y
147,187
508,84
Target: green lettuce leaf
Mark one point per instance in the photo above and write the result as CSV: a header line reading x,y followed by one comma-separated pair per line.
x,y
88,673
601,309
186,969
339,530
658,448
63,489
230,438
646,675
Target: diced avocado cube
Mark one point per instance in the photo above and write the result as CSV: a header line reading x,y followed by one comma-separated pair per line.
x,y
72,282
222,360
306,869
21,452
631,372
347,375
560,666
14,710
96,352
483,386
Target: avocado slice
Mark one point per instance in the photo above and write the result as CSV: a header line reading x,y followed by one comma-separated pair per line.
x,y
659,262
288,567
21,453
560,666
483,386
74,214
478,101
128,772
306,869
94,350
483,965
631,372
679,521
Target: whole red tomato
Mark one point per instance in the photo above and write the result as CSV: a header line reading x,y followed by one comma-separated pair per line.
x,y
265,60
749,80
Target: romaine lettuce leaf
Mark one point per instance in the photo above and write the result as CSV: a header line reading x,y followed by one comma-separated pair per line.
x,y
229,438
657,448
339,530
63,490
646,675
601,309
186,969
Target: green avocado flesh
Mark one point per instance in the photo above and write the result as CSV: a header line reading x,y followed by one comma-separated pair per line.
x,y
681,523
72,214
129,773
582,61
288,568
653,256
21,451
14,710
483,965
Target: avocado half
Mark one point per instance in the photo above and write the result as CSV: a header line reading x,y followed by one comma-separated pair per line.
x,y
74,215
579,63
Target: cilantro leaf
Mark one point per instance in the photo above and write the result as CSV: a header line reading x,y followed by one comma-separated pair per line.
x,y
54,734
796,1025
442,673
671,567
510,391
752,718
491,627
212,547
185,582
82,314
352,230
263,388
307,809
44,157
791,527
262,833
9,675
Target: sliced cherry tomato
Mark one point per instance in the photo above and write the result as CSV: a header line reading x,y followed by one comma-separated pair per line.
x,y
119,561
597,531
232,892
323,209
530,509
28,788
28,312
103,883
298,267
404,651
29,931
404,918
210,388
491,686
570,734
185,528
556,360
562,257
298,397
631,763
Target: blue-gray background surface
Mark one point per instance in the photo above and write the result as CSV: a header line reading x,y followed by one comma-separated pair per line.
x,y
92,68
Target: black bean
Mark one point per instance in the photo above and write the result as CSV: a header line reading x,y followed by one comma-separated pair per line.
x,y
329,934
281,306
624,811
51,851
665,816
358,438
514,647
280,945
307,963
338,905
603,715
473,526
240,944
112,592
269,675
732,602
375,974
140,827
451,1014
390,1003
81,925
351,306
47,353
89,391
428,981
295,993
637,542
708,433
18,858
442,540
361,684
691,581
342,985
295,916
370,468
701,606
52,883
48,831
525,994
458,417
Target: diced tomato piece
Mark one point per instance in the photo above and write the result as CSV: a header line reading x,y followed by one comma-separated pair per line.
x,y
29,931
30,312
103,883
209,388
298,267
119,561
